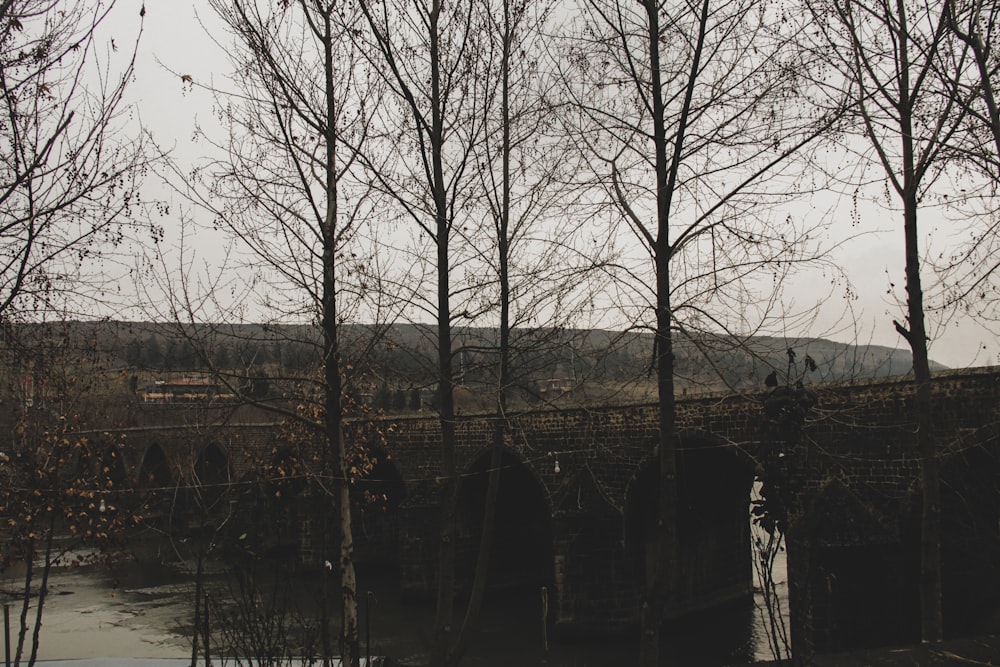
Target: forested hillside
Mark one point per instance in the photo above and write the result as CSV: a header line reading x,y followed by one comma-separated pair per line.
x,y
397,373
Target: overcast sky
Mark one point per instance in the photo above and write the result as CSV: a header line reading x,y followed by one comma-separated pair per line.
x,y
175,43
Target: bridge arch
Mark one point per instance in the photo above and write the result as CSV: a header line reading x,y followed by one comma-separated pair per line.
x,y
590,576
286,508
521,550
713,522
282,476
379,485
375,499
211,468
859,591
154,471
155,484
970,520
112,467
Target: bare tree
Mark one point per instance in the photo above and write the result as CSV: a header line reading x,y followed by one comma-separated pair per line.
x,y
296,116
429,55
975,23
530,249
64,499
694,115
68,181
888,55
68,191
968,272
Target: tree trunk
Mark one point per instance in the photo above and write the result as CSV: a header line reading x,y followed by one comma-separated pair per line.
x,y
349,644
481,573
22,632
444,618
661,592
198,581
916,336
932,622
43,590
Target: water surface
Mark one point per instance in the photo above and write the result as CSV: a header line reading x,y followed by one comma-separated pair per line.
x,y
146,611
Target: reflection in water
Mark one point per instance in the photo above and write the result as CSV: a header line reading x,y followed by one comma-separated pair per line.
x,y
145,611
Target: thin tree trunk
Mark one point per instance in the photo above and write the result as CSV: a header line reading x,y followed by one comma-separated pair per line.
x,y
198,575
481,573
486,539
22,633
444,619
502,228
43,590
916,335
350,645
932,621
661,592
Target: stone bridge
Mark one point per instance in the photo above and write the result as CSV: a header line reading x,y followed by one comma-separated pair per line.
x,y
577,498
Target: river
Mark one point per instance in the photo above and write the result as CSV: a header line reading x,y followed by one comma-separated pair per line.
x,y
146,612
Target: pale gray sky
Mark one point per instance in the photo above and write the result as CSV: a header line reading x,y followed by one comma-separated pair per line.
x,y
175,43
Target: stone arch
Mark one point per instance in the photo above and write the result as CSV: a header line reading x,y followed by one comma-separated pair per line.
x,y
211,469
381,487
970,540
211,476
855,568
285,507
154,471
276,511
594,590
375,501
112,466
715,478
521,551
282,477
713,523
639,522
155,485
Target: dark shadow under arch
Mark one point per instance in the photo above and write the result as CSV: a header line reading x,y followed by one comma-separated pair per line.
x,y
970,544
212,467
375,499
212,477
112,469
283,509
857,572
283,477
521,553
154,473
155,486
591,576
713,527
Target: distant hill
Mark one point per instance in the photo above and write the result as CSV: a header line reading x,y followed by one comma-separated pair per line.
x,y
835,361
561,365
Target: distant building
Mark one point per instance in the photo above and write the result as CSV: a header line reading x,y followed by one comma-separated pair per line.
x,y
554,386
185,390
